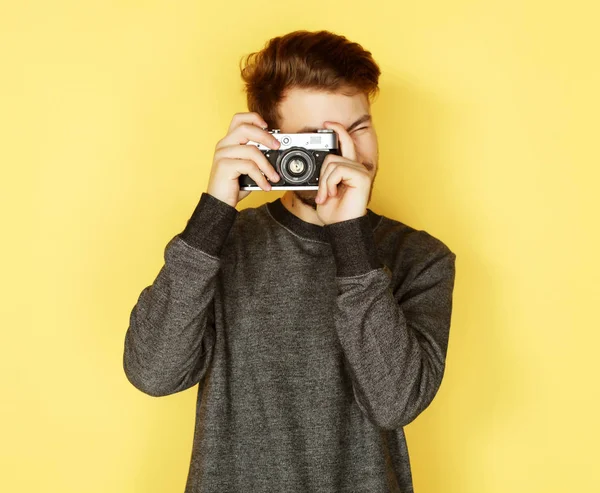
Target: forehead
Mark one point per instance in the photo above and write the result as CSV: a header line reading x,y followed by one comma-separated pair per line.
x,y
302,108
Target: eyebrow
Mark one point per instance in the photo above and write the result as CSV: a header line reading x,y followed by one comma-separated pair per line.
x,y
362,119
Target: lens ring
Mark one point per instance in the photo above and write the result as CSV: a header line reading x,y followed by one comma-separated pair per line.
x,y
287,156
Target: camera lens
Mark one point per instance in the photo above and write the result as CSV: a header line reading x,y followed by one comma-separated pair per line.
x,y
296,165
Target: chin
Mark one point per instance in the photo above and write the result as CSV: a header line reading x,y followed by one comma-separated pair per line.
x,y
307,197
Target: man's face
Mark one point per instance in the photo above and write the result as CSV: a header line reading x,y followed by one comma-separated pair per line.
x,y
306,110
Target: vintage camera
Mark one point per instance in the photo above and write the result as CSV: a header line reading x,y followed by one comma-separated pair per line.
x,y
297,161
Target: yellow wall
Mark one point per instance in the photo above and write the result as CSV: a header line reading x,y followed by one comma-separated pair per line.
x,y
488,124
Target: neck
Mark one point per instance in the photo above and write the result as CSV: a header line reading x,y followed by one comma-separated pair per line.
x,y
305,212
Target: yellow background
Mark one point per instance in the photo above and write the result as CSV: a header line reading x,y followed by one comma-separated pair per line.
x,y
488,125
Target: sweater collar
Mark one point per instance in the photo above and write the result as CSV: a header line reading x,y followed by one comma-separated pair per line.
x,y
305,229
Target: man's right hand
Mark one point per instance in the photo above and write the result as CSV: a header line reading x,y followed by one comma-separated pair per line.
x,y
232,159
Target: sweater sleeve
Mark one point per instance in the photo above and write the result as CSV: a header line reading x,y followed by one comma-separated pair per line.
x,y
395,343
169,342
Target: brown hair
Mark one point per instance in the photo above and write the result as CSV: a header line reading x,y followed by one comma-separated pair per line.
x,y
311,60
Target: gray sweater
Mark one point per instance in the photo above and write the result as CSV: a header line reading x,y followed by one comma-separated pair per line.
x,y
313,346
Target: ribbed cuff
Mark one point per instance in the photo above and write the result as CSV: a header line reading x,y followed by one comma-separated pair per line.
x,y
353,245
208,227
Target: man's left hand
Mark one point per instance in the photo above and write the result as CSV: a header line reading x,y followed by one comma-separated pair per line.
x,y
344,183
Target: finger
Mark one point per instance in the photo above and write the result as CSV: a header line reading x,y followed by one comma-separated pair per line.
x,y
252,153
349,175
239,167
246,132
326,162
335,176
346,142
251,117
322,192
324,186
325,189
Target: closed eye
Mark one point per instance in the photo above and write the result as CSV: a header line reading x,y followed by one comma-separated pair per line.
x,y
357,129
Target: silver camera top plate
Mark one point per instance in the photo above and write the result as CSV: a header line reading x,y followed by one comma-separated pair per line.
x,y
321,140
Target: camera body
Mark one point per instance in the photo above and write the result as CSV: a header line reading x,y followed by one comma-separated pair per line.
x,y
297,161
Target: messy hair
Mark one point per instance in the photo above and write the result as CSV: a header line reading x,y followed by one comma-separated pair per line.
x,y
318,60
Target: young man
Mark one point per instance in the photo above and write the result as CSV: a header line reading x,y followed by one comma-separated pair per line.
x,y
316,328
